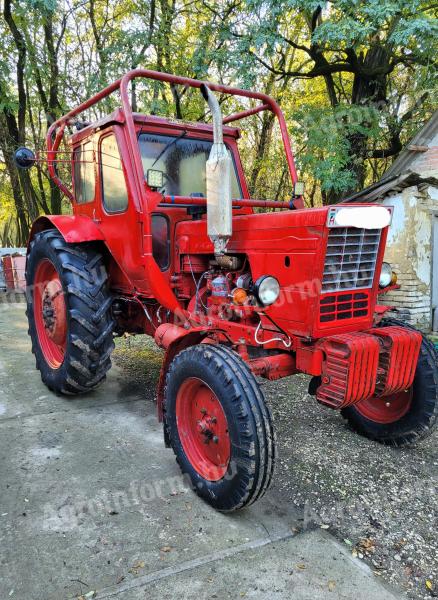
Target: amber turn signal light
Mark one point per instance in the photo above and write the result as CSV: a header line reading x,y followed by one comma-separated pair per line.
x,y
239,296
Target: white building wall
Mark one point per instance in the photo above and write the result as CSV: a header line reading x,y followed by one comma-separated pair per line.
x,y
409,250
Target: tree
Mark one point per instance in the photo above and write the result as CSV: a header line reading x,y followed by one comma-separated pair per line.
x,y
376,59
354,78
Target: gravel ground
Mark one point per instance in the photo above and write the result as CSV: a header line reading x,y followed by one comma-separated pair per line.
x,y
381,502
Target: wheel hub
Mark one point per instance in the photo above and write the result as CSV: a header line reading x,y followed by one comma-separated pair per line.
x,y
207,427
50,313
203,429
53,311
388,409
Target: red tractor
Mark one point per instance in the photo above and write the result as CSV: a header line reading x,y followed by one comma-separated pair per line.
x,y
164,240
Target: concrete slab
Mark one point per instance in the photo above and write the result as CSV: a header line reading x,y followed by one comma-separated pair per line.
x,y
310,566
91,500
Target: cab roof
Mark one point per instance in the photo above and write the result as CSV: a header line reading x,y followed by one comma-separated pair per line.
x,y
117,117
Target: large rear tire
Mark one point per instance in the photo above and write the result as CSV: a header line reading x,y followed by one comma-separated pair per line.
x,y
219,426
69,313
407,417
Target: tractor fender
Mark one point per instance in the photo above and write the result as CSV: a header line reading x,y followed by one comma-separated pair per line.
x,y
73,228
79,228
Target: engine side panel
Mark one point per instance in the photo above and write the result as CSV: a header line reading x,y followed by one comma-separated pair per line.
x,y
291,246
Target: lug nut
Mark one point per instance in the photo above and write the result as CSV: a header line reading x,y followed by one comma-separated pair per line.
x,y
215,439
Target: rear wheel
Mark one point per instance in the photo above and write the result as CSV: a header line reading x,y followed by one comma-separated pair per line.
x,y
68,309
407,417
219,426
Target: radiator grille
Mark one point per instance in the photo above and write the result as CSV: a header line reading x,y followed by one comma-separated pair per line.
x,y
350,260
343,306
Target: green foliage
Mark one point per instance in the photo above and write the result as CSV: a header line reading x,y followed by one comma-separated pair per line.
x,y
355,78
325,134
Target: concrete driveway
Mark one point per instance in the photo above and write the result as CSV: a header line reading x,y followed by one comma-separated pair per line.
x,y
93,505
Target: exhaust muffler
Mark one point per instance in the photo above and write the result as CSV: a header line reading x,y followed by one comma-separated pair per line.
x,y
218,177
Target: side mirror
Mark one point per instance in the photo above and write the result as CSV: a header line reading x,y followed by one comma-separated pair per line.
x,y
24,158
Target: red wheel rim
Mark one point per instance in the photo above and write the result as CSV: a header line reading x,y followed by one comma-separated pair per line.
x,y
203,429
50,313
387,409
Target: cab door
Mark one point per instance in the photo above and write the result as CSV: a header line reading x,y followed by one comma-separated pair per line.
x,y
116,214
84,179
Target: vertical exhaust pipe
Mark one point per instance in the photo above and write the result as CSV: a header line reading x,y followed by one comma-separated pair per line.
x,y
218,177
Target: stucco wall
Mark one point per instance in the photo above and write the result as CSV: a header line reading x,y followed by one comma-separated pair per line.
x,y
409,250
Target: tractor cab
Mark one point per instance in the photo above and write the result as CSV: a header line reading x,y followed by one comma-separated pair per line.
x,y
173,155
173,158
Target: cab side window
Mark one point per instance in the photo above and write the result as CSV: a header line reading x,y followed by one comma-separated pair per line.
x,y
114,192
84,174
160,241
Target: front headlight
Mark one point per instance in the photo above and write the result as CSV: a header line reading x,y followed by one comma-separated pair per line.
x,y
385,275
267,289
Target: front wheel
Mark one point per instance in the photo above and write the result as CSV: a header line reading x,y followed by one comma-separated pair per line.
x,y
219,426
408,416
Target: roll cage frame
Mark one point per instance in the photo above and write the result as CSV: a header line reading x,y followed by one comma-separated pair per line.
x,y
158,284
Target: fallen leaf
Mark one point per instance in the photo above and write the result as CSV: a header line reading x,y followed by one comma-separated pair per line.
x,y
429,584
354,553
367,544
348,542
139,564
331,585
166,549
301,566
120,579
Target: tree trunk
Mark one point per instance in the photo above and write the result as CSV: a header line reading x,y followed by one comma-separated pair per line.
x,y
262,146
20,209
369,90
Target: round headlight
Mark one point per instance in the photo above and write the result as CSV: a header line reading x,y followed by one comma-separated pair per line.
x,y
385,275
267,289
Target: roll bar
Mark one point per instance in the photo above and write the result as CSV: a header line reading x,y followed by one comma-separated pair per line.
x,y
56,130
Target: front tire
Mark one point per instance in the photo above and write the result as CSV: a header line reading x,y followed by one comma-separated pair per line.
x,y
407,417
219,426
69,313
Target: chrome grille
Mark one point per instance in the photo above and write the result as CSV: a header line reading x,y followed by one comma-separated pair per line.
x,y
350,260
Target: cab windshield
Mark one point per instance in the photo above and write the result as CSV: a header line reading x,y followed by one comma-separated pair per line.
x,y
182,161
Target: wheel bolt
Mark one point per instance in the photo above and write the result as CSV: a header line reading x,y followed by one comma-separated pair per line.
x,y
215,439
